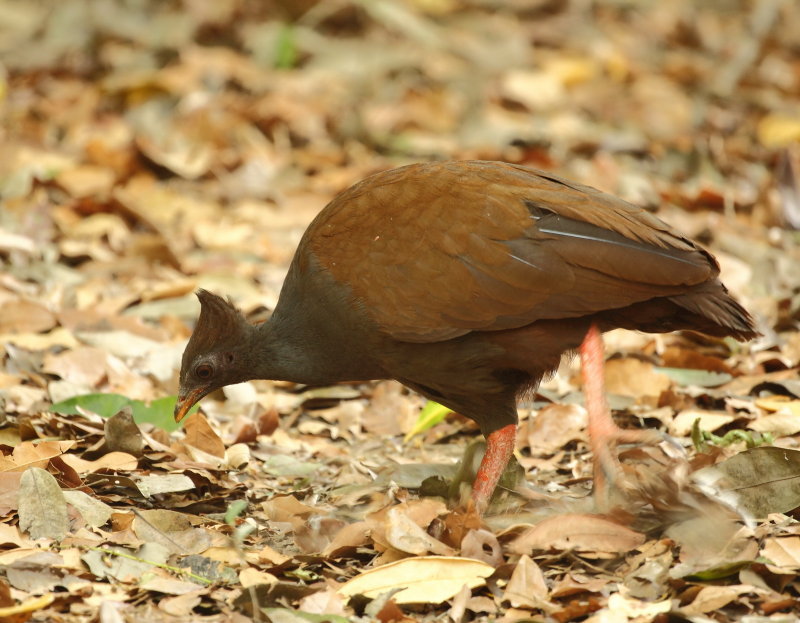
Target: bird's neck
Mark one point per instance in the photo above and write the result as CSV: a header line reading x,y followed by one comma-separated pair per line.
x,y
292,348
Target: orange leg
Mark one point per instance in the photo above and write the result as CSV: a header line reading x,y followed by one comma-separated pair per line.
x,y
499,448
604,434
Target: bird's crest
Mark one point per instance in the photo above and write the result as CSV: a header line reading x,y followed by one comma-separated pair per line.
x,y
220,323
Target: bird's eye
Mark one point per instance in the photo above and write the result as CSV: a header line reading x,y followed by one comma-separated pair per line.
x,y
204,371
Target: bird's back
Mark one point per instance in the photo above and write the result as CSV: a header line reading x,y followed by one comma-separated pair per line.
x,y
430,252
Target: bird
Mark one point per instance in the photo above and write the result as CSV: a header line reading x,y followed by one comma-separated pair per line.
x,y
467,281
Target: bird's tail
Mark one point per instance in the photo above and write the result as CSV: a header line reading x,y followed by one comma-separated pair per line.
x,y
725,316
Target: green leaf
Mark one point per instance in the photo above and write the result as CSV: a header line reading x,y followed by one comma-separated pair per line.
x,y
157,412
722,571
286,48
430,416
702,378
104,405
234,511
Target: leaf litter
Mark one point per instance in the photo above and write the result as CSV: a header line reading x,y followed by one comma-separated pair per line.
x,y
138,166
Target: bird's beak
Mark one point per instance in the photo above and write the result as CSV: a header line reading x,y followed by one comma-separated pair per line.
x,y
186,402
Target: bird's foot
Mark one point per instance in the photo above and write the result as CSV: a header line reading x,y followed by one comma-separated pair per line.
x,y
608,472
499,448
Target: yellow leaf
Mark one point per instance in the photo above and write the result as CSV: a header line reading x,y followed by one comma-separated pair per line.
x,y
784,404
778,130
425,579
431,414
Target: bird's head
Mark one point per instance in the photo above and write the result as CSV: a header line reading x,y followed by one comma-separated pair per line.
x,y
219,352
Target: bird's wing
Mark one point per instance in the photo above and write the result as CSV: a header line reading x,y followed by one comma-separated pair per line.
x,y
435,251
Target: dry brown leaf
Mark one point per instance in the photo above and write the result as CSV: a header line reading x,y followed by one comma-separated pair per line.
x,y
586,533
200,435
86,180
253,577
122,434
555,426
348,538
635,378
29,454
115,461
84,366
287,507
24,316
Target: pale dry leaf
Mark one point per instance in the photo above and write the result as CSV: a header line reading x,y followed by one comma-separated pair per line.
x,y
403,534
158,583
681,425
171,530
783,553
250,576
130,565
781,424
41,341
157,484
327,601
237,456
177,151
426,579
624,608
783,416
711,540
10,535
391,411
23,398
42,507
482,545
94,512
587,533
527,587
316,533
713,599
122,344
458,607
267,555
